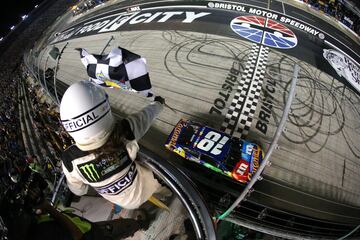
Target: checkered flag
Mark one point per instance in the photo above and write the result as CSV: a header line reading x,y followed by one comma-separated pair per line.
x,y
120,69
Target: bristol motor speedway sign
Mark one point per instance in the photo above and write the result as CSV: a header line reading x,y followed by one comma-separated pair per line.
x,y
247,9
192,18
264,31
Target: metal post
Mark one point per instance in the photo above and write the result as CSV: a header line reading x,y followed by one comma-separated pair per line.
x,y
34,68
37,60
38,65
31,66
350,233
44,74
55,72
107,44
29,57
57,188
273,145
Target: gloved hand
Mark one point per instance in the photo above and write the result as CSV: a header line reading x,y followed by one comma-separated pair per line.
x,y
159,99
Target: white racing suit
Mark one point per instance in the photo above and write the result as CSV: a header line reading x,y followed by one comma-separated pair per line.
x,y
116,176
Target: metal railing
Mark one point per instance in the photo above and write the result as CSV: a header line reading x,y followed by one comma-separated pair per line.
x,y
266,161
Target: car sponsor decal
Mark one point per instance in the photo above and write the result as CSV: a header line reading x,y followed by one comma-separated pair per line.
x,y
213,143
215,150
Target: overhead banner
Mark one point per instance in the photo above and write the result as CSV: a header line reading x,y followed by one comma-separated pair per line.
x,y
344,66
193,17
113,22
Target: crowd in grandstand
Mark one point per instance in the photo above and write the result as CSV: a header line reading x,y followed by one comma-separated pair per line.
x,y
44,120
338,10
86,5
11,149
11,55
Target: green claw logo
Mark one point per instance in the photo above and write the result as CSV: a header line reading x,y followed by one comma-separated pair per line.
x,y
90,171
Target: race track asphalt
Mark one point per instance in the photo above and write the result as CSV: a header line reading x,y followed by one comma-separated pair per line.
x,y
315,169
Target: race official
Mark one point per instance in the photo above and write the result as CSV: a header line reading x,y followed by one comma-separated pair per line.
x,y
105,150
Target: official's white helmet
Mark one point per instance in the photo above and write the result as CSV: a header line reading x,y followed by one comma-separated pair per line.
x,y
86,115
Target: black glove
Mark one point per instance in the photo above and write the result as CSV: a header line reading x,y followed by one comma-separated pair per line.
x,y
159,99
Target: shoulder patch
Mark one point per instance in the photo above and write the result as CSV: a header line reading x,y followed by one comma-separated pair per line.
x,y
71,153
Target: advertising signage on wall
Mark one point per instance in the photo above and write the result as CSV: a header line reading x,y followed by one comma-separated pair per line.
x,y
246,9
185,17
114,22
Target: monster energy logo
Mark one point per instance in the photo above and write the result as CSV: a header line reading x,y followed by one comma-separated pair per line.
x,y
90,171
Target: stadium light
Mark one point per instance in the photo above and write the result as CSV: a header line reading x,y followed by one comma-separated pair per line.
x,y
1,39
24,17
12,27
36,6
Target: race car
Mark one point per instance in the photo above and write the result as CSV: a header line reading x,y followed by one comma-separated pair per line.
x,y
235,158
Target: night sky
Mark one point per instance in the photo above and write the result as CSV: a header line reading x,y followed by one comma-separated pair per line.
x,y
12,11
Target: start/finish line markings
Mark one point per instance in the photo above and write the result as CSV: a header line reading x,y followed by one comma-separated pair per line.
x,y
240,115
